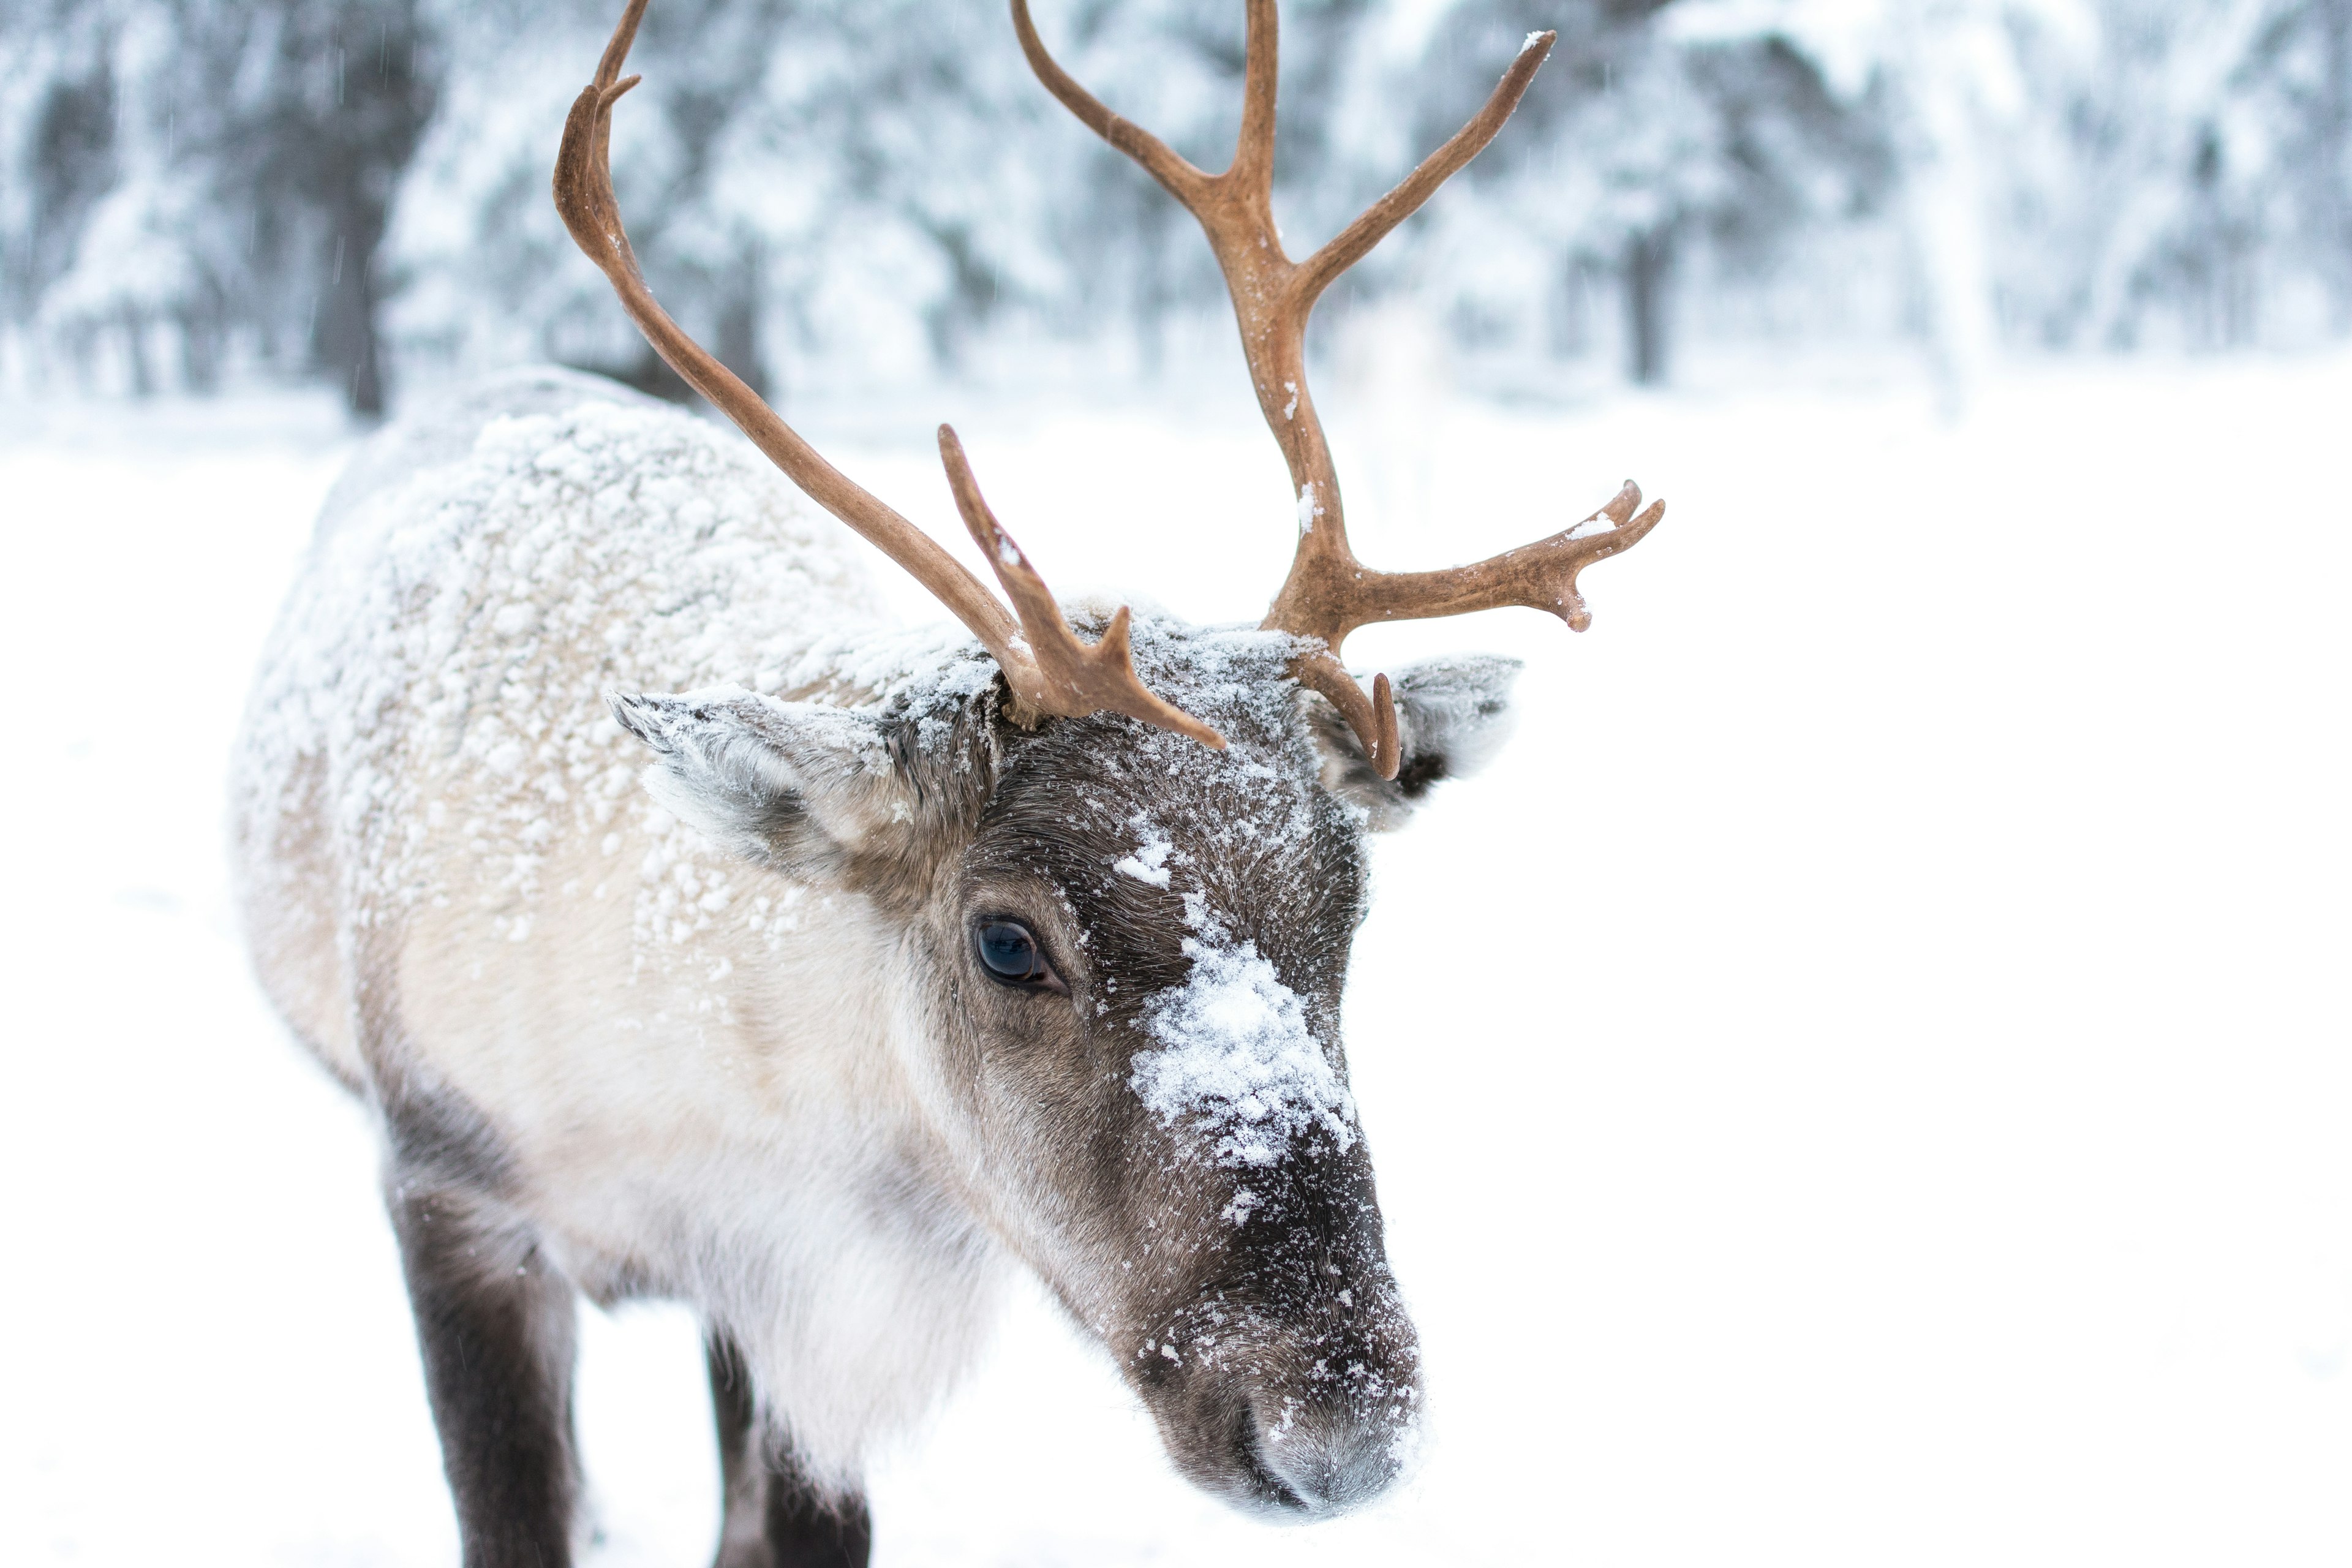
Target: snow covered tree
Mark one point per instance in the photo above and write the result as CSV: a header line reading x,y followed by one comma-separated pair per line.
x,y
847,184
327,101
1640,138
860,190
199,168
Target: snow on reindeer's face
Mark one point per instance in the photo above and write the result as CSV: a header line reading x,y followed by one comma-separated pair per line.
x,y
1131,951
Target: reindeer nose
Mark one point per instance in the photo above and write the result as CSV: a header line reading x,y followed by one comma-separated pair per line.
x,y
1327,1457
1326,1419
1295,1408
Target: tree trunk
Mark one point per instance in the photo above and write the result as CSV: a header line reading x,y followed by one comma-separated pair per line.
x,y
343,159
134,352
346,342
736,341
2334,205
1649,263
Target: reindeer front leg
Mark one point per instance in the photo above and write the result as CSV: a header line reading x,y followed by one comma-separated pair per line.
x,y
774,1517
495,1323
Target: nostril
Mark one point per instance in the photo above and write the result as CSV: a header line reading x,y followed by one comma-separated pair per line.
x,y
1252,1440
1296,1465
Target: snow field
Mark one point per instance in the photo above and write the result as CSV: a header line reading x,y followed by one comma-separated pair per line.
x,y
1863,1078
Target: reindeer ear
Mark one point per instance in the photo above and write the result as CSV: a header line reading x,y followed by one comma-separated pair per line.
x,y
1453,715
800,786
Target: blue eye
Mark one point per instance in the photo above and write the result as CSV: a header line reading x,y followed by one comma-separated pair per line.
x,y
1010,953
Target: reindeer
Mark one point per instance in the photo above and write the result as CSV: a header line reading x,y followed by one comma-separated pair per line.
x,y
919,958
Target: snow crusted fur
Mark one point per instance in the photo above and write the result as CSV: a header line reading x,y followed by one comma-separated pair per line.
x,y
429,738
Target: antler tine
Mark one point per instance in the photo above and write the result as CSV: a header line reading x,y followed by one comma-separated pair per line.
x,y
616,47
1373,718
1046,669
1539,576
1329,593
1235,210
1078,678
1253,164
1160,161
1353,243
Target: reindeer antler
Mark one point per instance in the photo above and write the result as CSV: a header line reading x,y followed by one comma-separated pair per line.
x,y
1328,591
1047,668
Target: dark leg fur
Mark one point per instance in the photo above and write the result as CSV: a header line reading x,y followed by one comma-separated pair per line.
x,y
775,1518
494,1324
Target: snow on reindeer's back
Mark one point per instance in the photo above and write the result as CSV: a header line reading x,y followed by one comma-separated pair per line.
x,y
484,574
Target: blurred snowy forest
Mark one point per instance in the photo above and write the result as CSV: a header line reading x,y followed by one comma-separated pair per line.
x,y
834,194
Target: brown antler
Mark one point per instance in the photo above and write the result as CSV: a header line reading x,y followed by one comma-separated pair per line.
x,y
1047,668
1330,592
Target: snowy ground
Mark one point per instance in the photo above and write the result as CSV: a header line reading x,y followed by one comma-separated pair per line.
x,y
1866,1080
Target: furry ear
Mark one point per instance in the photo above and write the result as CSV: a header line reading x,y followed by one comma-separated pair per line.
x,y
800,786
1453,715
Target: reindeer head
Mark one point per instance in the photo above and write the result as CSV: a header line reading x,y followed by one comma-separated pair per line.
x,y
1127,951
1128,861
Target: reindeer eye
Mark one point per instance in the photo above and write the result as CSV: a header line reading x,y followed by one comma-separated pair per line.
x,y
1011,954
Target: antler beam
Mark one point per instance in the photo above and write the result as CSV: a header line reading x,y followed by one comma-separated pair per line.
x,y
1329,593
1047,670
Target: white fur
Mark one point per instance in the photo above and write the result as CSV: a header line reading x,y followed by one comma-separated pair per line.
x,y
703,1072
